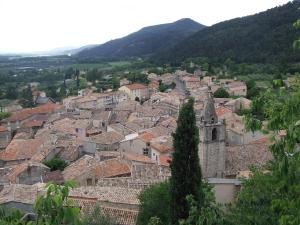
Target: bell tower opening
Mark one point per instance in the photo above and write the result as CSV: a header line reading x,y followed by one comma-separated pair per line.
x,y
214,134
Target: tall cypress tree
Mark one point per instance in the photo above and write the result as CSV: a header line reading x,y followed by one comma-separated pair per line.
x,y
185,168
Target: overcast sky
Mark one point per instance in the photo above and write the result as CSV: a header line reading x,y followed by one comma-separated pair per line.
x,y
37,25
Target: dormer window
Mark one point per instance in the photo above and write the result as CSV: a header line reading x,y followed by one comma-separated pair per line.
x,y
212,120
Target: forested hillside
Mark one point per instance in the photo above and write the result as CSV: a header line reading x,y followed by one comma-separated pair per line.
x,y
148,40
260,38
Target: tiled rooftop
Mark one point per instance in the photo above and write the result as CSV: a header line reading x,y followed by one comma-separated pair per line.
x,y
240,158
112,168
107,138
135,86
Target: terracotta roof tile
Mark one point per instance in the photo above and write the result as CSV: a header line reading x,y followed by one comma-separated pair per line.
x,y
19,149
26,113
135,86
240,158
107,138
32,123
222,111
112,168
3,129
137,158
164,160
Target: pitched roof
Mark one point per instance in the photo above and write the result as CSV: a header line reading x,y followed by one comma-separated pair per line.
x,y
19,149
77,168
32,123
240,158
137,158
112,168
135,86
163,144
20,168
108,194
222,111
25,113
53,176
19,193
164,160
107,138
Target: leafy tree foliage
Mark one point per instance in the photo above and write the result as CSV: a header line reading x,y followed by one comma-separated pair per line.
x,y
27,98
97,217
155,202
55,208
185,167
208,214
221,93
270,197
11,92
11,218
4,115
56,164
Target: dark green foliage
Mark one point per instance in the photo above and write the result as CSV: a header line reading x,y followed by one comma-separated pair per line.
x,y
185,167
97,217
55,208
56,164
162,87
51,91
137,78
253,202
155,202
11,218
4,115
209,214
69,73
11,92
252,90
27,98
272,197
146,41
263,37
221,93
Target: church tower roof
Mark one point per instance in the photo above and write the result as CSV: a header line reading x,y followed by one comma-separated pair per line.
x,y
209,114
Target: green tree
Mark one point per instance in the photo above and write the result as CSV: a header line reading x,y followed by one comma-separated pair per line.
x,y
55,208
11,92
97,217
13,217
155,202
4,115
162,87
221,93
27,98
56,164
272,197
154,221
185,167
208,214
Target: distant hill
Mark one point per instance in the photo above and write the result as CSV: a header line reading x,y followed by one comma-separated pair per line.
x,y
147,41
263,37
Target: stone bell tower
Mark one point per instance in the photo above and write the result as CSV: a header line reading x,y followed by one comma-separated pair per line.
x,y
212,140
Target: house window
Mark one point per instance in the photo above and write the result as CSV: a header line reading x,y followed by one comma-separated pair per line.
x,y
212,120
214,134
145,151
103,124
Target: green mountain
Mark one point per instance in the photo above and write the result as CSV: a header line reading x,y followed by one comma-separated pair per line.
x,y
260,38
146,41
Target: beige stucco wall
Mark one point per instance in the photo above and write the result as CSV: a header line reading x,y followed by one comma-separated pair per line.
x,y
225,193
